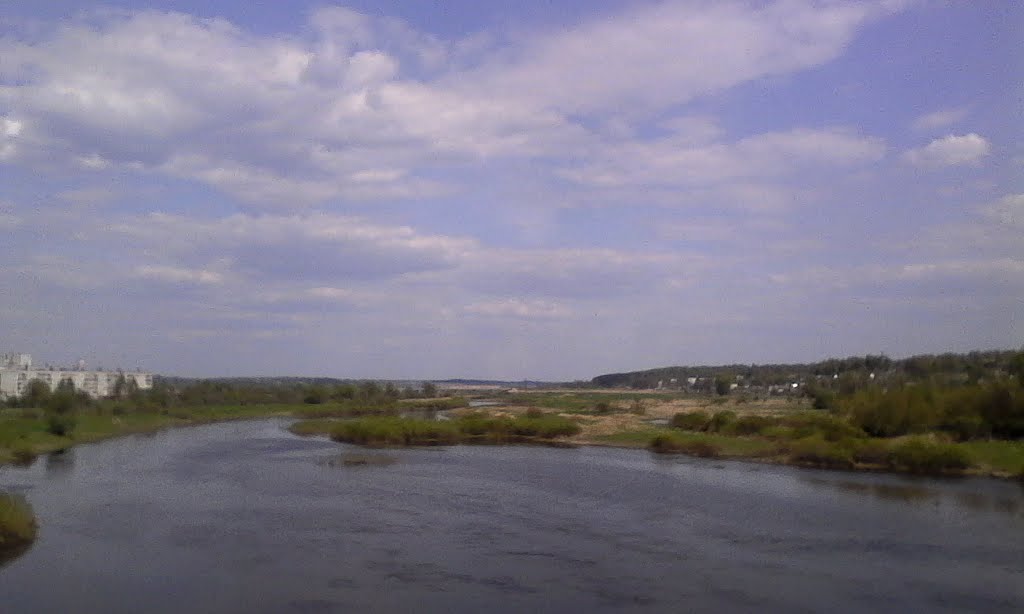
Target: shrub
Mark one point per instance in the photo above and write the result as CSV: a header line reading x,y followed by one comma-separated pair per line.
x,y
777,432
691,421
534,412
965,427
546,427
60,425
818,452
670,442
749,425
832,428
17,523
871,452
23,454
924,455
720,420
602,407
475,427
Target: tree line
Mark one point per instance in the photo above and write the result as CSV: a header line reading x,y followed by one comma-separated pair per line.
x,y
845,375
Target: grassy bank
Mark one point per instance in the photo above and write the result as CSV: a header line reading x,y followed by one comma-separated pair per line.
x,y
475,428
817,439
25,433
17,526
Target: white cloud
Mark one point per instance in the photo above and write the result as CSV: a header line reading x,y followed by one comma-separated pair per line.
x,y
939,119
658,54
177,275
9,131
314,246
669,162
363,108
946,273
573,272
1007,211
519,308
950,150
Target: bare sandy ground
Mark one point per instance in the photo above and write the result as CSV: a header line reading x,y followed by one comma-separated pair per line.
x,y
621,420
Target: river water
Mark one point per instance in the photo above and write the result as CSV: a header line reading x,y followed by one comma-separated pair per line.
x,y
245,517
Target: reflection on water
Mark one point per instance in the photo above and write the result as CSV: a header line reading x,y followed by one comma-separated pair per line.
x,y
894,492
60,462
906,490
245,517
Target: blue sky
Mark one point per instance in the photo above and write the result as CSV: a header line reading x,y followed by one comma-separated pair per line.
x,y
545,190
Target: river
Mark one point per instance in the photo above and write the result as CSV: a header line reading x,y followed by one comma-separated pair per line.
x,y
245,517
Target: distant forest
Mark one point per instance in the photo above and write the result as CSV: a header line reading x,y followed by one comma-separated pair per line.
x,y
948,368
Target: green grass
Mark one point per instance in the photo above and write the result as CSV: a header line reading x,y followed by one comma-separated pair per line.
x,y
669,440
923,454
24,434
1005,457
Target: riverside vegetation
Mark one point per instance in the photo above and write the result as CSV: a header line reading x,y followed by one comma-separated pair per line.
x,y
953,414
929,413
17,526
41,421
475,427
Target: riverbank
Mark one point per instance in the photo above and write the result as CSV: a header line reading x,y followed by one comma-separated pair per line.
x,y
777,431
18,526
24,434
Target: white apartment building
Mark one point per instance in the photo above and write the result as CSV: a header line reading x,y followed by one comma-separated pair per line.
x,y
16,371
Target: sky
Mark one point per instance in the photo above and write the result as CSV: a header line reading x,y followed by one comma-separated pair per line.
x,y
530,190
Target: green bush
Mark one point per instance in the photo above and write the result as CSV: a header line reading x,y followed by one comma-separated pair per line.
x,y
476,427
994,408
720,420
818,452
60,425
23,453
871,452
672,443
691,421
925,455
832,428
749,425
777,432
17,523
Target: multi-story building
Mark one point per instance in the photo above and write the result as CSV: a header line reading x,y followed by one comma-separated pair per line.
x,y
16,371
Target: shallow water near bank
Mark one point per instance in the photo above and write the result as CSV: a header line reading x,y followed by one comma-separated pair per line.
x,y
246,517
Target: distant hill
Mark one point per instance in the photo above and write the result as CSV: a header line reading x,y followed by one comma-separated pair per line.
x,y
969,365
495,382
254,381
333,381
